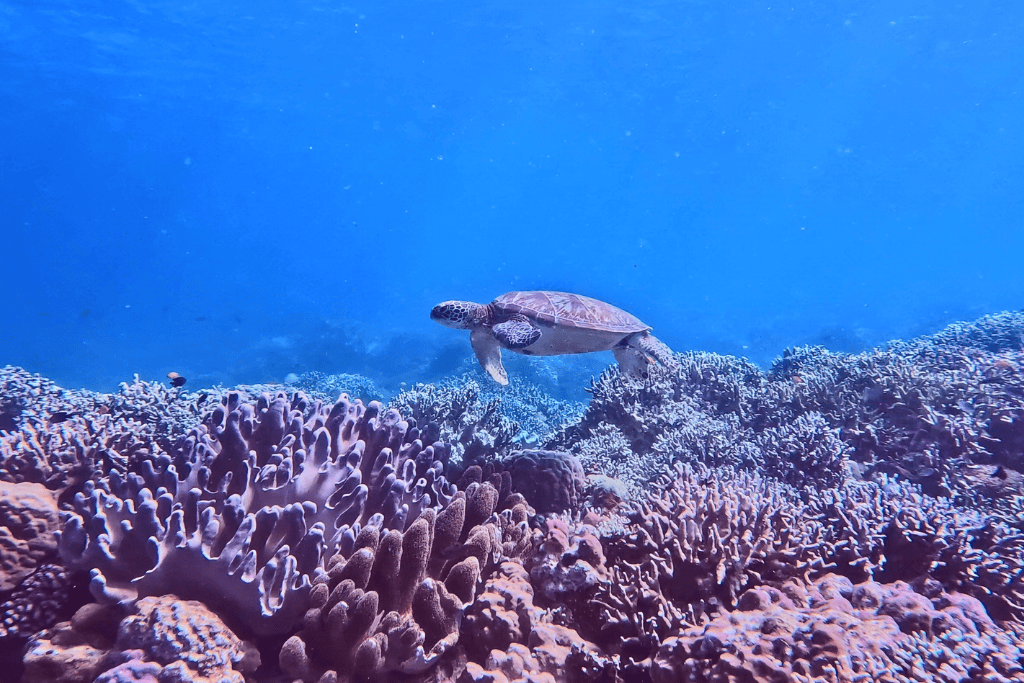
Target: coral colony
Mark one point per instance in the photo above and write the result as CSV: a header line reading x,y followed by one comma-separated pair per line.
x,y
835,518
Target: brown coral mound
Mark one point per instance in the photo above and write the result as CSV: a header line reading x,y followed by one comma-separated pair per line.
x,y
28,518
510,639
164,639
549,480
833,631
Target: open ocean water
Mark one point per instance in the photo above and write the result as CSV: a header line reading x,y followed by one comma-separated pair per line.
x,y
238,191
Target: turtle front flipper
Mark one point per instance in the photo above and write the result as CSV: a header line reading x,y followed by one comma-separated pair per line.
x,y
488,352
517,333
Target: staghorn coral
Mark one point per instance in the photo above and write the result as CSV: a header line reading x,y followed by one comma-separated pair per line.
x,y
473,426
330,387
805,452
945,412
62,439
485,421
709,535
24,396
243,516
894,532
393,602
691,549
537,414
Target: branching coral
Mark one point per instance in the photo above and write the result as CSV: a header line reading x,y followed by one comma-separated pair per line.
x,y
475,428
484,422
945,412
710,535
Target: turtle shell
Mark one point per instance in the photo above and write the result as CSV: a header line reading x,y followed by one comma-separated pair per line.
x,y
569,310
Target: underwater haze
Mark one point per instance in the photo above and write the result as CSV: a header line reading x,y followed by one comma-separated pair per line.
x,y
237,191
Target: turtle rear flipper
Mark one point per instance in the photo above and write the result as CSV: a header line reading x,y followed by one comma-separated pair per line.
x,y
488,352
517,333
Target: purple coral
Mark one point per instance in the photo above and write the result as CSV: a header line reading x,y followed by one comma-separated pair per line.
x,y
244,516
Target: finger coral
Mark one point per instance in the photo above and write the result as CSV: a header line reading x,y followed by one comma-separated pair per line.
x,y
393,601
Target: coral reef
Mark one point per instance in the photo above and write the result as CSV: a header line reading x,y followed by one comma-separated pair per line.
x,y
835,518
186,639
164,639
35,602
28,519
474,427
518,641
482,420
945,412
331,387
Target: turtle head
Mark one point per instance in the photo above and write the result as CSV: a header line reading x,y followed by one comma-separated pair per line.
x,y
461,315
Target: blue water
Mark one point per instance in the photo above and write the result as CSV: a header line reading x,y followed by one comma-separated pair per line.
x,y
240,190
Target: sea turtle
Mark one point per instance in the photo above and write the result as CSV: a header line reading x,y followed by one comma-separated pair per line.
x,y
551,324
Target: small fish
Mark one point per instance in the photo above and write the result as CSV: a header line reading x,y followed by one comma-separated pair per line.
x,y
202,399
176,379
58,417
